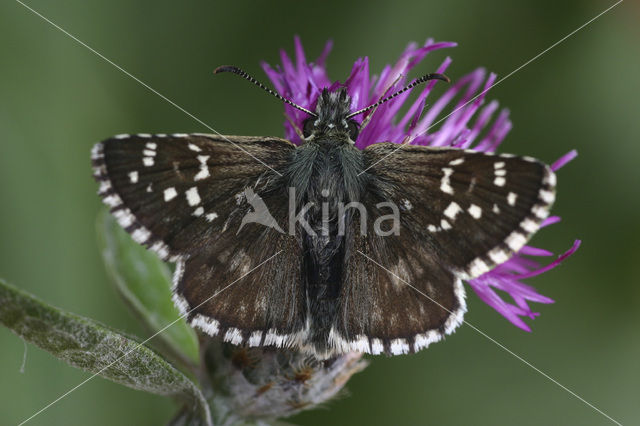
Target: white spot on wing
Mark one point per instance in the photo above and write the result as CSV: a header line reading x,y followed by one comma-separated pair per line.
x,y
96,151
141,235
475,211
421,341
511,198
547,196
273,338
204,169
194,147
193,198
170,194
457,316
208,325
478,267
399,346
376,346
105,186
549,178
255,338
112,200
181,304
515,241
360,344
445,185
161,249
233,335
499,181
124,217
133,177
498,256
211,216
529,225
147,161
452,210
540,211
199,211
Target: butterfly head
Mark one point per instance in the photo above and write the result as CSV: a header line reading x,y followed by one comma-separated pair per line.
x,y
331,118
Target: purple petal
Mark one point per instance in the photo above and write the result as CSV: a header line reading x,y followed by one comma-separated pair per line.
x,y
563,256
550,221
560,162
534,251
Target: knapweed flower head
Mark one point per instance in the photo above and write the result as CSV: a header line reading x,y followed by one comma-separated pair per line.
x,y
263,383
461,118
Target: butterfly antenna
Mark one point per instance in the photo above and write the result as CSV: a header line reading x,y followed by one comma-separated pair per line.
x,y
243,74
420,80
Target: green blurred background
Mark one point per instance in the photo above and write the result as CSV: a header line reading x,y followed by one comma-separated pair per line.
x,y
57,99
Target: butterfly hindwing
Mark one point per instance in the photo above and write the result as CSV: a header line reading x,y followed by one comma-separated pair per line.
x,y
184,196
229,286
396,298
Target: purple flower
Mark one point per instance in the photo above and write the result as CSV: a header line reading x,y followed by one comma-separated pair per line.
x,y
468,123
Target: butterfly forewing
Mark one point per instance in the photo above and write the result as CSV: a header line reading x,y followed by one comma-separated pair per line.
x,y
474,210
174,190
184,196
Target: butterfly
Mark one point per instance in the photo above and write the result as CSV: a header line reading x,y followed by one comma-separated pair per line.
x,y
270,250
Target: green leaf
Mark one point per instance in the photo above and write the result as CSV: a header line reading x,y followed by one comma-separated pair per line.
x,y
144,281
93,347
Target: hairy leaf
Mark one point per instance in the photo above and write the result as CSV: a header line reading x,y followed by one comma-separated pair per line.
x,y
93,347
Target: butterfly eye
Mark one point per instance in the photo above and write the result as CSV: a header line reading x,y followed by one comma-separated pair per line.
x,y
354,129
307,127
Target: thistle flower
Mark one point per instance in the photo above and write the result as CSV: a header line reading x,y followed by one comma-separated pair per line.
x,y
470,125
